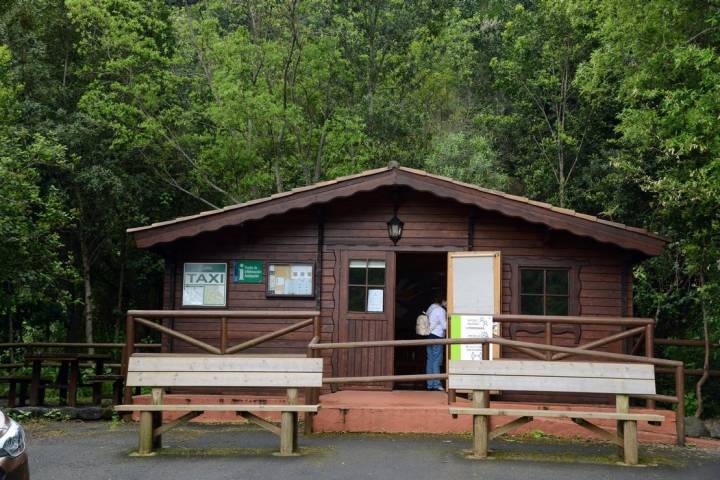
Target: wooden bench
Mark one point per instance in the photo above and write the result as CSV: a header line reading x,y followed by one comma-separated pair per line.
x,y
160,371
23,382
620,379
97,381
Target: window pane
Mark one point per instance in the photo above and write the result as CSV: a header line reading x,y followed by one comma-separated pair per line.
x,y
376,264
557,305
356,299
358,263
531,281
357,275
557,282
376,276
531,304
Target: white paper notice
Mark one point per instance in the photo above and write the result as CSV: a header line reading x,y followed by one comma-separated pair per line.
x,y
301,280
375,299
193,295
475,326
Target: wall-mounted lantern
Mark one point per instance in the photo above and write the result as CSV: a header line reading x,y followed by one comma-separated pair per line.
x,y
395,229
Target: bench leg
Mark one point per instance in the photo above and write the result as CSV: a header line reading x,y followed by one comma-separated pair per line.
x,y
622,405
630,442
23,393
35,384
481,424
157,399
145,441
11,396
97,393
117,392
288,426
287,433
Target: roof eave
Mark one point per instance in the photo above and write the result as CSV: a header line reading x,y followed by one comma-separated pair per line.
x,y
604,231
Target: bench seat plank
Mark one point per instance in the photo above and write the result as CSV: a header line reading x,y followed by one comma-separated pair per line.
x,y
224,363
555,369
552,384
511,412
224,379
217,408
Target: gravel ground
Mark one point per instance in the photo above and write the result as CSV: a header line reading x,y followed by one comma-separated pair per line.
x,y
100,450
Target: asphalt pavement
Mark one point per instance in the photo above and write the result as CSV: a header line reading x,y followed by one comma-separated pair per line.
x,y
101,450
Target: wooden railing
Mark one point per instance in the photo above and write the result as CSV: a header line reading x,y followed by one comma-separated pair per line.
x,y
641,328
540,351
31,347
680,342
145,318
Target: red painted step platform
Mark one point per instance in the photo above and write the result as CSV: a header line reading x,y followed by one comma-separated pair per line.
x,y
406,411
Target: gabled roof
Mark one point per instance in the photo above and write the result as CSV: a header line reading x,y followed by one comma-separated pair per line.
x,y
623,236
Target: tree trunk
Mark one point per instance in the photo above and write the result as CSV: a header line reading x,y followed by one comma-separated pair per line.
x,y
89,310
706,361
11,337
318,157
121,291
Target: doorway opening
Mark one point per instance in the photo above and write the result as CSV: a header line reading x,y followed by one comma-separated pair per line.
x,y
419,278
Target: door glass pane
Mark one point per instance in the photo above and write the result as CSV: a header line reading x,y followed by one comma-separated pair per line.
x,y
531,304
557,305
557,282
357,275
531,281
376,273
356,299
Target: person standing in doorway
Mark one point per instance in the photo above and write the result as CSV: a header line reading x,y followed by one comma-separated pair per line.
x,y
437,318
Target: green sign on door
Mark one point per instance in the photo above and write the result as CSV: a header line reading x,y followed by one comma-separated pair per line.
x,y
248,271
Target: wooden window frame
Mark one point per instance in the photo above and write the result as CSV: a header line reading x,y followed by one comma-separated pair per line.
x,y
366,286
545,295
573,266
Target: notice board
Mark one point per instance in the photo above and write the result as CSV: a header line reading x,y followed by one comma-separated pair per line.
x,y
290,279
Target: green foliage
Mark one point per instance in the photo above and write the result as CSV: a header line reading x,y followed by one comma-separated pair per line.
x,y
19,416
56,415
117,113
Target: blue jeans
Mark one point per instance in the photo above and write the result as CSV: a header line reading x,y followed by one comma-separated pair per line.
x,y
434,359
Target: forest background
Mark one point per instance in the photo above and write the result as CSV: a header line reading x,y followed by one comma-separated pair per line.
x,y
118,113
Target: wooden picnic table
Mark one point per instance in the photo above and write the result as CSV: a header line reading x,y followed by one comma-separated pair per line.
x,y
68,376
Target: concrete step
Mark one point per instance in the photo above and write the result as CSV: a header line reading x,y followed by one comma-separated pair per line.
x,y
427,412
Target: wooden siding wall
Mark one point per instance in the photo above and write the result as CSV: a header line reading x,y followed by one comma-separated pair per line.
x,y
359,223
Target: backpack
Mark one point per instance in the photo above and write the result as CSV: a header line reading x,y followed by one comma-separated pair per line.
x,y
422,325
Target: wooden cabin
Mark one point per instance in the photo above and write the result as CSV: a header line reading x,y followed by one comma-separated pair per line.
x,y
328,247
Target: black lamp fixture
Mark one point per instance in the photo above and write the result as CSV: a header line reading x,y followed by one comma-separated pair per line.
x,y
395,225
395,228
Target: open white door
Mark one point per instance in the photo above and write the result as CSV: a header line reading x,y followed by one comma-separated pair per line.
x,y
474,296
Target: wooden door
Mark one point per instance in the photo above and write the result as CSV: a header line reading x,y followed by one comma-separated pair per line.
x,y
474,294
366,312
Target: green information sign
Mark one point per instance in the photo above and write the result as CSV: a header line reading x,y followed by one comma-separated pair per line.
x,y
248,271
455,332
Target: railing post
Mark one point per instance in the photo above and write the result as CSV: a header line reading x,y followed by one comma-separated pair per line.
x,y
680,411
312,394
548,339
127,352
223,335
317,327
650,353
